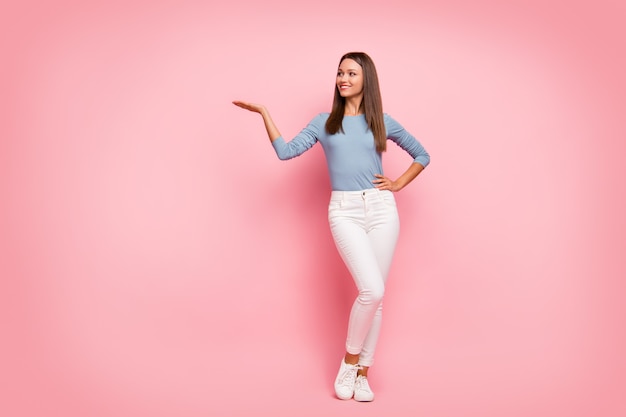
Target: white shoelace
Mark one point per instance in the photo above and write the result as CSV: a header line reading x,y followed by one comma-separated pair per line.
x,y
349,376
362,384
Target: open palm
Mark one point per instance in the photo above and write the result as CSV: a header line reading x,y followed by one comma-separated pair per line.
x,y
257,108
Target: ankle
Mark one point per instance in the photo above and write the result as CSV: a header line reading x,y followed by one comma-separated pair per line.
x,y
351,359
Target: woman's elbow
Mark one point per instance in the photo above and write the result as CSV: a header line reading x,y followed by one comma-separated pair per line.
x,y
423,159
284,157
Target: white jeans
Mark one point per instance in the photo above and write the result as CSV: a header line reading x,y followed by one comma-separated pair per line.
x,y
365,227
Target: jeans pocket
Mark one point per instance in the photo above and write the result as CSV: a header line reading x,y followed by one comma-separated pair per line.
x,y
389,199
334,207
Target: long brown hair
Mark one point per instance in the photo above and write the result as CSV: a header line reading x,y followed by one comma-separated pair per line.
x,y
372,104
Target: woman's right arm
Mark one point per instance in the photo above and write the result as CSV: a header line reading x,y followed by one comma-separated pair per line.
x,y
286,150
272,130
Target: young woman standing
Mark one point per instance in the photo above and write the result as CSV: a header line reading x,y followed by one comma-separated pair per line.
x,y
362,211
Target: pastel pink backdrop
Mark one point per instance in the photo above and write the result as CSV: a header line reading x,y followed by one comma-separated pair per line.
x,y
159,260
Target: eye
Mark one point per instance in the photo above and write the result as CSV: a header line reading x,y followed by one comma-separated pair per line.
x,y
352,74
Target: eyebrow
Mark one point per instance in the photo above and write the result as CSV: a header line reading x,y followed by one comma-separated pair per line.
x,y
348,69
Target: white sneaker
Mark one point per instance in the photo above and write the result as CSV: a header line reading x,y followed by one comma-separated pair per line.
x,y
344,383
362,390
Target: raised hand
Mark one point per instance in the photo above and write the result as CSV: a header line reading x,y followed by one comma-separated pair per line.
x,y
272,130
257,108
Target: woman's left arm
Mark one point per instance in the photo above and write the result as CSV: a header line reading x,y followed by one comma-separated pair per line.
x,y
413,147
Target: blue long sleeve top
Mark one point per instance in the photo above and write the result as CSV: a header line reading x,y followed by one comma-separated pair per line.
x,y
351,155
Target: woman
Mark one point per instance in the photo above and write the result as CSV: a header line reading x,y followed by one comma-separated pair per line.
x,y
362,211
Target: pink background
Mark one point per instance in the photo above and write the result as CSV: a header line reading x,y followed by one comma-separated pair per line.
x,y
157,259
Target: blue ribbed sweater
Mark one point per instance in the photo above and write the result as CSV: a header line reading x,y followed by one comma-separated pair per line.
x,y
351,156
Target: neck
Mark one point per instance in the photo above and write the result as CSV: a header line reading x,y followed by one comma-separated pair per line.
x,y
353,106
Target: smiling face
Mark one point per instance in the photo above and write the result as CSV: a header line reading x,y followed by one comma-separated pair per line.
x,y
350,79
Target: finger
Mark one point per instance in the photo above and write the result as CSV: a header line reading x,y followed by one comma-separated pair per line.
x,y
243,104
